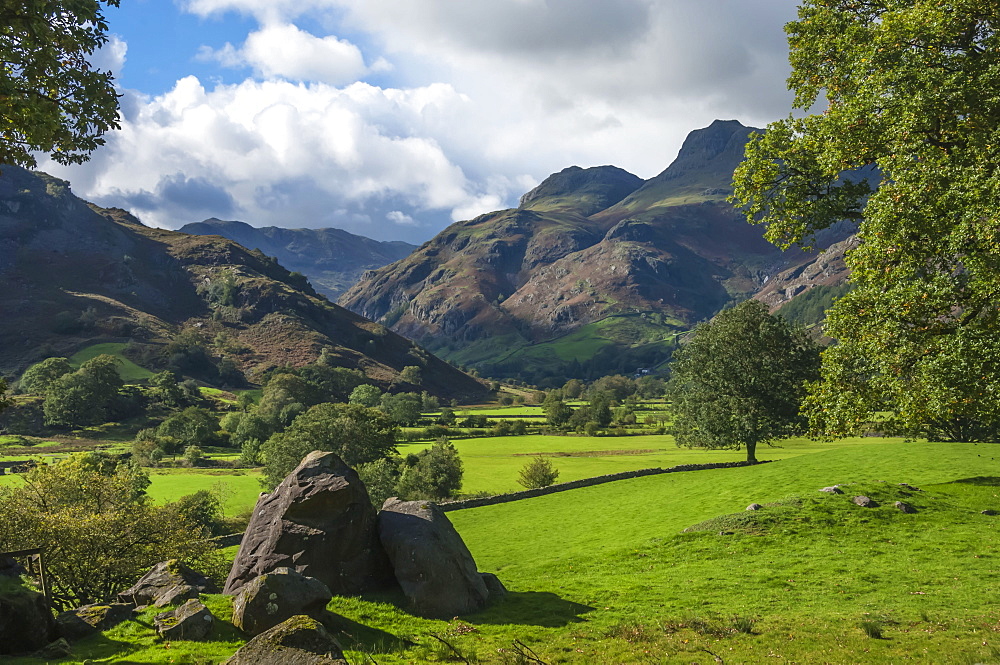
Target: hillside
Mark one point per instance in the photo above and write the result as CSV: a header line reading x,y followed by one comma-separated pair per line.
x,y
595,272
75,275
332,259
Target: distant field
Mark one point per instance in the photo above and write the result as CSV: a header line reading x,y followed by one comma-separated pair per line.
x,y
128,370
493,464
239,488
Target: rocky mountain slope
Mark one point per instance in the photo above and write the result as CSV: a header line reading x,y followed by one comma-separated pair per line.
x,y
75,274
595,271
332,259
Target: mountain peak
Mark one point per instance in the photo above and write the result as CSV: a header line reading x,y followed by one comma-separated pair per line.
x,y
580,190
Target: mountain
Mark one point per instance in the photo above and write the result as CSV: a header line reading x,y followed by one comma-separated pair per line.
x,y
596,270
75,275
332,259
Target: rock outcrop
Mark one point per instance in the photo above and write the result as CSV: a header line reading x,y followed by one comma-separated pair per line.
x,y
320,522
190,621
300,640
168,582
276,596
84,621
25,621
431,562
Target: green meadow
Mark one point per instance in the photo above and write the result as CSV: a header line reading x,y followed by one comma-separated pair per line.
x,y
128,370
607,574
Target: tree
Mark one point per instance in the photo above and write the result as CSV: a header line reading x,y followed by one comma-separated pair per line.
x,y
86,396
356,433
906,146
557,412
4,398
538,473
167,390
740,380
410,374
366,395
403,408
54,101
99,529
192,427
37,378
433,473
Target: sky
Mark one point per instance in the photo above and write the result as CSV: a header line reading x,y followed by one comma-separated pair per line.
x,y
394,118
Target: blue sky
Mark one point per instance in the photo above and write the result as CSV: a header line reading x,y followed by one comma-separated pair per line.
x,y
394,118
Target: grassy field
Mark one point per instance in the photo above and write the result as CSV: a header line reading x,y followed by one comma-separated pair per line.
x,y
492,464
128,370
606,575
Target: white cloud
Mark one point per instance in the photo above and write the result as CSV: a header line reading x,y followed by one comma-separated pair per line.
x,y
111,56
282,50
483,99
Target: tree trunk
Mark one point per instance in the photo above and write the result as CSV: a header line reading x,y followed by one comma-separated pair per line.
x,y
751,453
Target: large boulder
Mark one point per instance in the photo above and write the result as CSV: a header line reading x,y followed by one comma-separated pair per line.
x,y
25,621
84,621
300,640
276,596
168,582
430,560
320,522
190,621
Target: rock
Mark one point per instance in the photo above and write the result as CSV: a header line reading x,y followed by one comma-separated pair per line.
x,y
54,650
83,621
833,489
907,486
864,502
320,522
432,564
25,621
754,506
494,587
276,596
167,582
905,507
300,640
190,621
990,512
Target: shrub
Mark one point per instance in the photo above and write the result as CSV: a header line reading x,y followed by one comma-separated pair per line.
x,y
538,473
434,473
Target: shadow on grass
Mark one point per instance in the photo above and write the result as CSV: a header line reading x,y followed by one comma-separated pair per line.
x,y
359,637
988,481
532,608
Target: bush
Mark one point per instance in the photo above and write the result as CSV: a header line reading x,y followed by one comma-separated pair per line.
x,y
538,473
434,473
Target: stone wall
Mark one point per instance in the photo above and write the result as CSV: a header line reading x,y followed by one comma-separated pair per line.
x,y
585,482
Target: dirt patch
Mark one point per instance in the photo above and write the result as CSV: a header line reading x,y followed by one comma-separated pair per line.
x,y
591,453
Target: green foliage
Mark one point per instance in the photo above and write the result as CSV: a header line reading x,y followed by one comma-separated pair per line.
x,y
557,412
739,382
910,100
380,478
5,400
356,433
37,378
366,395
410,374
192,427
810,307
54,101
167,390
402,408
539,472
85,397
99,531
202,508
434,473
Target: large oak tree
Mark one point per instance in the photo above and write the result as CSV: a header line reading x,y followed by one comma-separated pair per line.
x,y
907,143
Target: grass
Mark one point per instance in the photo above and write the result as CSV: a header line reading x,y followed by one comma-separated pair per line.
x,y
128,370
606,574
492,464
239,488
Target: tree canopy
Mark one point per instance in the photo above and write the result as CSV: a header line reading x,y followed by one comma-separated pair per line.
x,y
53,99
907,144
740,380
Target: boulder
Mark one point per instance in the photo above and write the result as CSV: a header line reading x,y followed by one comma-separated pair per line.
x,y
754,506
833,489
864,501
166,583
25,621
989,512
300,640
54,650
84,621
190,621
320,522
905,507
494,587
276,596
432,564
